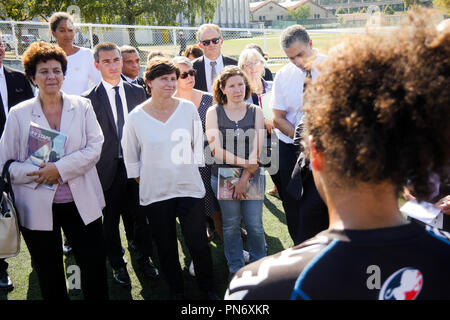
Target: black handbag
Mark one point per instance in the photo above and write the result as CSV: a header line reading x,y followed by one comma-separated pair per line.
x,y
9,220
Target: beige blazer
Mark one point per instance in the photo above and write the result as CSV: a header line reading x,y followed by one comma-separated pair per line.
x,y
76,167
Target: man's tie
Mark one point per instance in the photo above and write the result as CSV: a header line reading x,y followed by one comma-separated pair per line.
x,y
134,81
2,115
308,77
213,72
120,118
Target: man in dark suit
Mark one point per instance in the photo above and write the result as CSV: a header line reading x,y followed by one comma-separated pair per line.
x,y
210,65
14,88
131,67
112,100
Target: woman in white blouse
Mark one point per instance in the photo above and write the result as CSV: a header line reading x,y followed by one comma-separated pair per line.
x,y
81,73
163,148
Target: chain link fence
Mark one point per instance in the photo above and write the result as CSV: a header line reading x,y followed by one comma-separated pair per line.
x,y
17,36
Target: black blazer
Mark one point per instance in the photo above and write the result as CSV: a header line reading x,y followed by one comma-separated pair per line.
x,y
107,165
200,77
19,88
141,83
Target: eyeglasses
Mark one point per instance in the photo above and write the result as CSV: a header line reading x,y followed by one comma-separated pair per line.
x,y
191,73
208,42
251,65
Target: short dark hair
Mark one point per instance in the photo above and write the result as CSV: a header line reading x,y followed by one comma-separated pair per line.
x,y
292,34
128,49
221,82
193,49
105,46
42,52
160,66
56,18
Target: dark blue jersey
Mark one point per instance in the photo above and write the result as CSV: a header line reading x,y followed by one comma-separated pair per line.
x,y
398,263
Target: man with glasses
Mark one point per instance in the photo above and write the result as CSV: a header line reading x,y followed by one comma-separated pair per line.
x,y
14,88
210,65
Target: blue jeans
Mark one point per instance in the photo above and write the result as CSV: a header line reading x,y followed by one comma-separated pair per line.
x,y
232,211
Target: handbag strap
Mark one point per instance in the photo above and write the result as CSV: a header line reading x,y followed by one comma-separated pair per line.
x,y
7,187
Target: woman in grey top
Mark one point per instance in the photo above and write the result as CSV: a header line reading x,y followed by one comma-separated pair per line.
x,y
242,123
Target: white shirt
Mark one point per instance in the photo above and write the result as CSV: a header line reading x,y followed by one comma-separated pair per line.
x,y
111,92
165,156
219,68
4,90
81,74
287,93
130,80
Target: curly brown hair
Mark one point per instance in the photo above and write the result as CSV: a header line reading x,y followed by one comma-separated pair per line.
x,y
221,82
193,49
380,109
42,52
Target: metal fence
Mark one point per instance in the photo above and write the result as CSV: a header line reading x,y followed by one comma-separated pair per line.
x,y
17,36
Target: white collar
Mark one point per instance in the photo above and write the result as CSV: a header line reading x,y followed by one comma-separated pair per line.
x,y
109,86
129,79
219,58
2,71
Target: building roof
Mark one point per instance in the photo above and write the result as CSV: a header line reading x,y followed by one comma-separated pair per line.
x,y
254,6
292,5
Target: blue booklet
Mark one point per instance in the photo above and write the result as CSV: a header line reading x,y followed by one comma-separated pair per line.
x,y
44,145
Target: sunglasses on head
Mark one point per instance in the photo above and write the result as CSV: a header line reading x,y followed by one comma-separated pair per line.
x,y
208,42
191,73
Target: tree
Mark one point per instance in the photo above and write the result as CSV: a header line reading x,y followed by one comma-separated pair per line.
x,y
26,10
389,10
300,14
340,10
444,5
145,12
409,3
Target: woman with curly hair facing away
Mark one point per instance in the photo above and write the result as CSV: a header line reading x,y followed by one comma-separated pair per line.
x,y
376,118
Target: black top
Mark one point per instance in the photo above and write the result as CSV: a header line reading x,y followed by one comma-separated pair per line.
x,y
233,134
405,262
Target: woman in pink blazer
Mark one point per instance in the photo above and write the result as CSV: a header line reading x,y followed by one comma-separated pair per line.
x,y
64,194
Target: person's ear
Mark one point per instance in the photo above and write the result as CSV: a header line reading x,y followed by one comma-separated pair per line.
x,y
96,65
316,156
33,82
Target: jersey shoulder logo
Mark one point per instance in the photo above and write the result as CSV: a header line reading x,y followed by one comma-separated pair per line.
x,y
404,284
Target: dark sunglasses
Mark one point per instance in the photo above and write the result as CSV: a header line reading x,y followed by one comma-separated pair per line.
x,y
191,73
208,42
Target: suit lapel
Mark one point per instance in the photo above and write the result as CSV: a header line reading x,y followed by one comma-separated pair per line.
x,y
37,115
11,86
103,101
66,116
129,95
202,74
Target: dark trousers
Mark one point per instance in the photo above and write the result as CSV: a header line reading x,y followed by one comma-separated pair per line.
x,y
309,215
162,215
45,248
122,199
287,160
3,265
312,215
